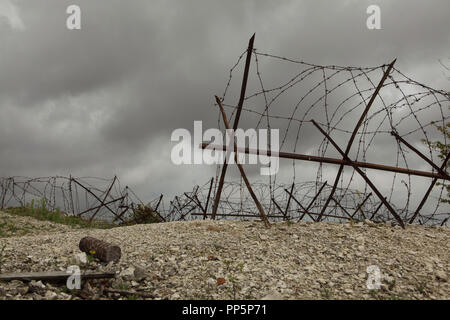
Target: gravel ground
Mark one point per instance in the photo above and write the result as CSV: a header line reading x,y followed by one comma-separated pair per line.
x,y
238,260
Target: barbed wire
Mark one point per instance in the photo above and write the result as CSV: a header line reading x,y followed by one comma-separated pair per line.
x,y
405,115
334,96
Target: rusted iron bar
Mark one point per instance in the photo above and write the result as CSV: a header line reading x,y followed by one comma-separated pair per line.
x,y
54,275
70,195
297,156
101,205
241,169
313,200
181,207
94,195
363,175
183,216
289,200
298,202
209,197
156,209
352,137
375,212
236,122
121,214
342,208
199,203
104,199
159,202
360,206
196,200
420,154
284,213
424,199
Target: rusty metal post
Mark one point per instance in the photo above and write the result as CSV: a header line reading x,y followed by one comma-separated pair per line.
x,y
360,205
236,122
104,199
363,175
314,199
375,212
209,197
350,142
159,202
424,199
420,154
279,208
94,195
241,169
301,206
289,200
101,205
342,208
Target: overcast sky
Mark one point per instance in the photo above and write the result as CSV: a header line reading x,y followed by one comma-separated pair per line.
x,y
104,100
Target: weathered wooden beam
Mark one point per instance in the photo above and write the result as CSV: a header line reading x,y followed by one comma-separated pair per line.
x,y
53,275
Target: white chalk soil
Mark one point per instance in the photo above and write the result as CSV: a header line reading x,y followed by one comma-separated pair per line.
x,y
207,259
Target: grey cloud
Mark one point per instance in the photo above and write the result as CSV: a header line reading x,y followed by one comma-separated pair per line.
x,y
104,100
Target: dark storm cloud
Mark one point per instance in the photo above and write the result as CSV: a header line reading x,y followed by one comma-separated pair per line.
x,y
104,100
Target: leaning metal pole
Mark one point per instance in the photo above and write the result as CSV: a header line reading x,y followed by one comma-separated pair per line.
x,y
236,122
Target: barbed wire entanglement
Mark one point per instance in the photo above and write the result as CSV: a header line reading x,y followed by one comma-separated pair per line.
x,y
359,133
87,197
352,146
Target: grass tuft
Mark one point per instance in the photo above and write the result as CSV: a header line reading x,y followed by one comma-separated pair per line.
x,y
40,212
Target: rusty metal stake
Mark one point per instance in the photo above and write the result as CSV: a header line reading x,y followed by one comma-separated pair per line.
x,y
363,175
350,142
420,154
424,199
241,169
236,122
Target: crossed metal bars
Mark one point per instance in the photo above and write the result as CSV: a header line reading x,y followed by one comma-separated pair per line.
x,y
74,196
346,161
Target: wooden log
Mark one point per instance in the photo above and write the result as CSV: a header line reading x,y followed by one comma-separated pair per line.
x,y
101,250
53,275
